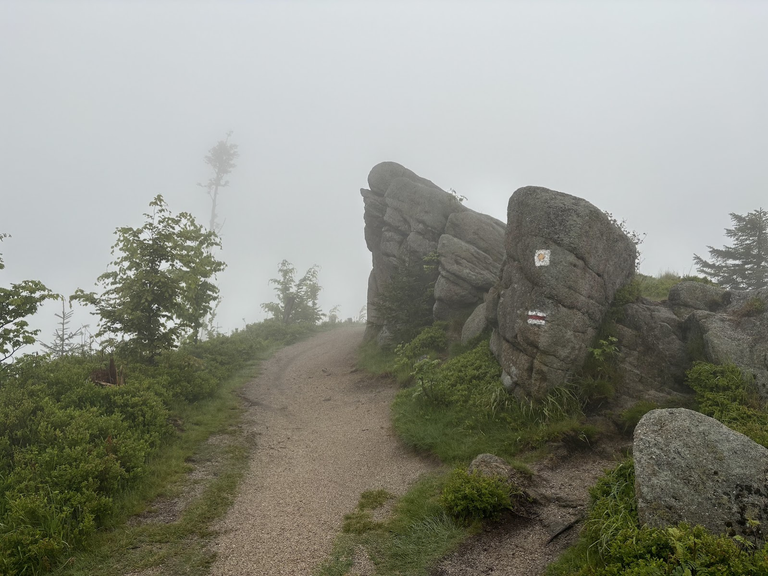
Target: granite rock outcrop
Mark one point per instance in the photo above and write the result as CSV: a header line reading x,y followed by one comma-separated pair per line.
x,y
565,260
408,217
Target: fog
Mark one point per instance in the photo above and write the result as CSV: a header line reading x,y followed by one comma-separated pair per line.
x,y
653,111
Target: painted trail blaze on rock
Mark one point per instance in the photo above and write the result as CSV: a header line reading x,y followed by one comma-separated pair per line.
x,y
564,262
537,318
541,258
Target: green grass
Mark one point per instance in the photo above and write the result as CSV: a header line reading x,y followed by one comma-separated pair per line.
x,y
459,409
612,542
375,360
417,535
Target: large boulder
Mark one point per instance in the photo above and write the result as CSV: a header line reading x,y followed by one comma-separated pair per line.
x,y
565,260
688,295
408,217
691,468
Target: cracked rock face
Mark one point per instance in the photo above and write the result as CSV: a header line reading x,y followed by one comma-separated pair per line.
x,y
409,217
564,262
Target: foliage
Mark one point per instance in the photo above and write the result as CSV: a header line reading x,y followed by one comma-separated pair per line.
x,y
743,265
430,340
16,303
161,285
63,342
70,449
752,307
612,543
333,315
472,495
361,520
221,158
635,237
723,393
405,303
417,535
657,287
296,300
458,409
630,417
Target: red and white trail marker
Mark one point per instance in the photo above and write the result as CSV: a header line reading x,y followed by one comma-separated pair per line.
x,y
537,317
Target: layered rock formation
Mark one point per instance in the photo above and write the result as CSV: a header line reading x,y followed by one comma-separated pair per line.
x,y
565,260
408,217
691,468
545,282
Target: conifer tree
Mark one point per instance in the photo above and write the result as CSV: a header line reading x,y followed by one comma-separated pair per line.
x,y
64,342
743,265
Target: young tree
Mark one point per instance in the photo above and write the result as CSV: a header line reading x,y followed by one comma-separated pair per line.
x,y
64,342
333,315
296,301
405,302
16,303
221,158
744,265
159,287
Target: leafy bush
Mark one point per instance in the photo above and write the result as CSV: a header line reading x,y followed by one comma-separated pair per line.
x,y
474,496
69,447
430,339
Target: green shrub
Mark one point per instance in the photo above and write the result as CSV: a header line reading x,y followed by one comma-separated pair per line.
x,y
459,408
752,307
70,448
473,496
426,344
723,393
612,543
430,339
657,287
629,418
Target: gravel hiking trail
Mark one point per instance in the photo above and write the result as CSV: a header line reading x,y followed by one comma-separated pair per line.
x,y
321,436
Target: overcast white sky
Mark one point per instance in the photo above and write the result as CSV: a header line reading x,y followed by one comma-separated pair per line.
x,y
654,111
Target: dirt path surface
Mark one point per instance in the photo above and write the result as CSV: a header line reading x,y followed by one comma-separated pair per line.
x,y
525,546
322,437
